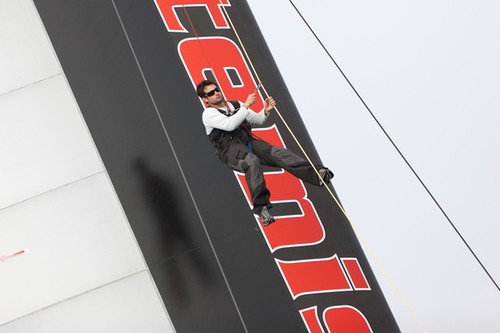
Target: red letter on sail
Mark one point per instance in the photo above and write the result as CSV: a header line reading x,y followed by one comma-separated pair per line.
x,y
346,319
294,230
314,276
220,56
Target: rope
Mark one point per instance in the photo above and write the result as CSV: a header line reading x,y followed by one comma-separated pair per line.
x,y
197,37
356,231
399,151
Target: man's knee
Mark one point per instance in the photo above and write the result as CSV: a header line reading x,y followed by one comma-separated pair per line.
x,y
251,161
284,156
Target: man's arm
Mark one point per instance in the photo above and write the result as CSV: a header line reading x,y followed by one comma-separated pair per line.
x,y
212,118
259,118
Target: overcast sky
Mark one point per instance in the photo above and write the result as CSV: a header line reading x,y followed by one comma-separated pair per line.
x,y
430,72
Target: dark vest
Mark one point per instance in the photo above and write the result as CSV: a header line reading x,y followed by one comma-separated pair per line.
x,y
221,140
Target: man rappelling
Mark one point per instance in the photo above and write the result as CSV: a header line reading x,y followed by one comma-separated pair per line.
x,y
228,126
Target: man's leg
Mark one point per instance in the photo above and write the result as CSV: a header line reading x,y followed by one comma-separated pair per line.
x,y
241,159
286,159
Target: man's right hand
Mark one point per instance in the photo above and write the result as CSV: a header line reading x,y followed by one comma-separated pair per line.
x,y
250,100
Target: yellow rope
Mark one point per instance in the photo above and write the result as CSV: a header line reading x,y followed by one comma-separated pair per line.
x,y
363,241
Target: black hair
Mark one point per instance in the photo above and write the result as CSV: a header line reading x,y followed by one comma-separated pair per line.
x,y
200,88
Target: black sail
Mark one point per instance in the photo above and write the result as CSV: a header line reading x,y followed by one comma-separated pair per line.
x,y
133,66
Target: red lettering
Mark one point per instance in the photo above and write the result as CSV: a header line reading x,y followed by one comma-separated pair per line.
x,y
310,317
294,230
314,276
356,274
346,319
168,8
338,319
219,55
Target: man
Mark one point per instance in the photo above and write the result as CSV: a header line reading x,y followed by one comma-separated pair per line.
x,y
228,126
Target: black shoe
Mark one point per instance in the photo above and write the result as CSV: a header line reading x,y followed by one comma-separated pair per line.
x,y
326,175
265,216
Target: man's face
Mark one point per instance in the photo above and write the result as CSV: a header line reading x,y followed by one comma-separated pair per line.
x,y
212,95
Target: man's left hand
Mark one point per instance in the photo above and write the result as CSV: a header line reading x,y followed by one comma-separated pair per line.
x,y
269,104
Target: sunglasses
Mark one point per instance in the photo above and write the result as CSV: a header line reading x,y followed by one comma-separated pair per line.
x,y
212,92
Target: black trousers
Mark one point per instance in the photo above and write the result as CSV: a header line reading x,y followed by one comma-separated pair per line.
x,y
240,158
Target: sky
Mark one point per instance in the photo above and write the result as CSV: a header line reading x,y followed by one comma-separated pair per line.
x,y
429,72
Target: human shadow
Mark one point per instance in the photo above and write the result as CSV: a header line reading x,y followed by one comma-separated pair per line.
x,y
172,239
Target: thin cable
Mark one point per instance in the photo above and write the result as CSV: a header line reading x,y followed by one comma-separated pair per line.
x,y
205,55
356,231
249,60
396,147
